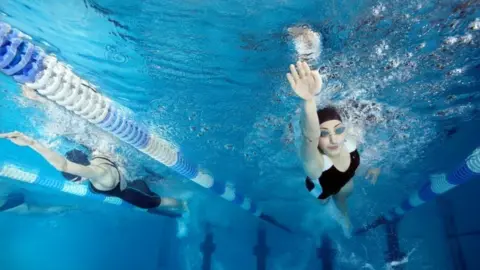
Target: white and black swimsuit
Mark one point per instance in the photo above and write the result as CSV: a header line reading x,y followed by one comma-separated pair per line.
x,y
332,180
137,192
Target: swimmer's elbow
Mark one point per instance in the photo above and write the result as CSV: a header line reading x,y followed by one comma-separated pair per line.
x,y
313,169
61,165
310,155
310,137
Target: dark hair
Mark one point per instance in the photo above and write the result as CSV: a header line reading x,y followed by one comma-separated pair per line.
x,y
79,157
327,114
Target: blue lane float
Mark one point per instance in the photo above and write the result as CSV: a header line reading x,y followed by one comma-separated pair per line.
x,y
438,184
18,173
29,65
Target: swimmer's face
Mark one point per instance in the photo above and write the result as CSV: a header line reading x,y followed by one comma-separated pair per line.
x,y
332,137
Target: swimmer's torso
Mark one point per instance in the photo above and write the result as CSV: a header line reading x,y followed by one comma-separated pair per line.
x,y
111,173
335,176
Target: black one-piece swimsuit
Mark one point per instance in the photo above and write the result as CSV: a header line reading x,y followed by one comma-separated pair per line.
x,y
332,180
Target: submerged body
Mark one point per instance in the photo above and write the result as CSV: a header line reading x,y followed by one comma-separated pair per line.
x,y
334,179
104,175
329,158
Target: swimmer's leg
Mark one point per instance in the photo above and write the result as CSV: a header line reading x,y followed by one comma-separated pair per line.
x,y
324,201
172,203
139,194
340,200
36,209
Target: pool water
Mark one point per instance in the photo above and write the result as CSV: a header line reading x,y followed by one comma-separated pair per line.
x,y
209,77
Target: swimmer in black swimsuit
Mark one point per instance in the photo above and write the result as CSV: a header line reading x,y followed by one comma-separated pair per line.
x,y
102,173
329,158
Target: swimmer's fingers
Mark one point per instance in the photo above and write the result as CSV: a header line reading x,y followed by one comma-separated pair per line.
x,y
18,138
10,135
291,80
27,89
317,78
368,175
372,179
303,69
306,68
294,73
372,176
28,92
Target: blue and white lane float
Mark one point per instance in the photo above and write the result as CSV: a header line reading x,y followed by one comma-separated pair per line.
x,y
29,65
19,173
438,184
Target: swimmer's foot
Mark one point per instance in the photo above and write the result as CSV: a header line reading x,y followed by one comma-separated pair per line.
x,y
184,206
173,205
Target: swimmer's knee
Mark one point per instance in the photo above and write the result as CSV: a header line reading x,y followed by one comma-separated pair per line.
x,y
324,201
342,195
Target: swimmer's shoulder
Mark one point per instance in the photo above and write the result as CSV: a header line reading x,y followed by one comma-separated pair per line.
x,y
351,144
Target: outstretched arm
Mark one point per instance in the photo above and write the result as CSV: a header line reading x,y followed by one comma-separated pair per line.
x,y
56,160
305,83
312,160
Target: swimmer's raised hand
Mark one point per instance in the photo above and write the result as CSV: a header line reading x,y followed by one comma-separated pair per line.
x,y
305,82
18,138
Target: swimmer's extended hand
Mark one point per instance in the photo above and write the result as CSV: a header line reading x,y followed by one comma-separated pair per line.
x,y
32,94
304,82
18,138
372,175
